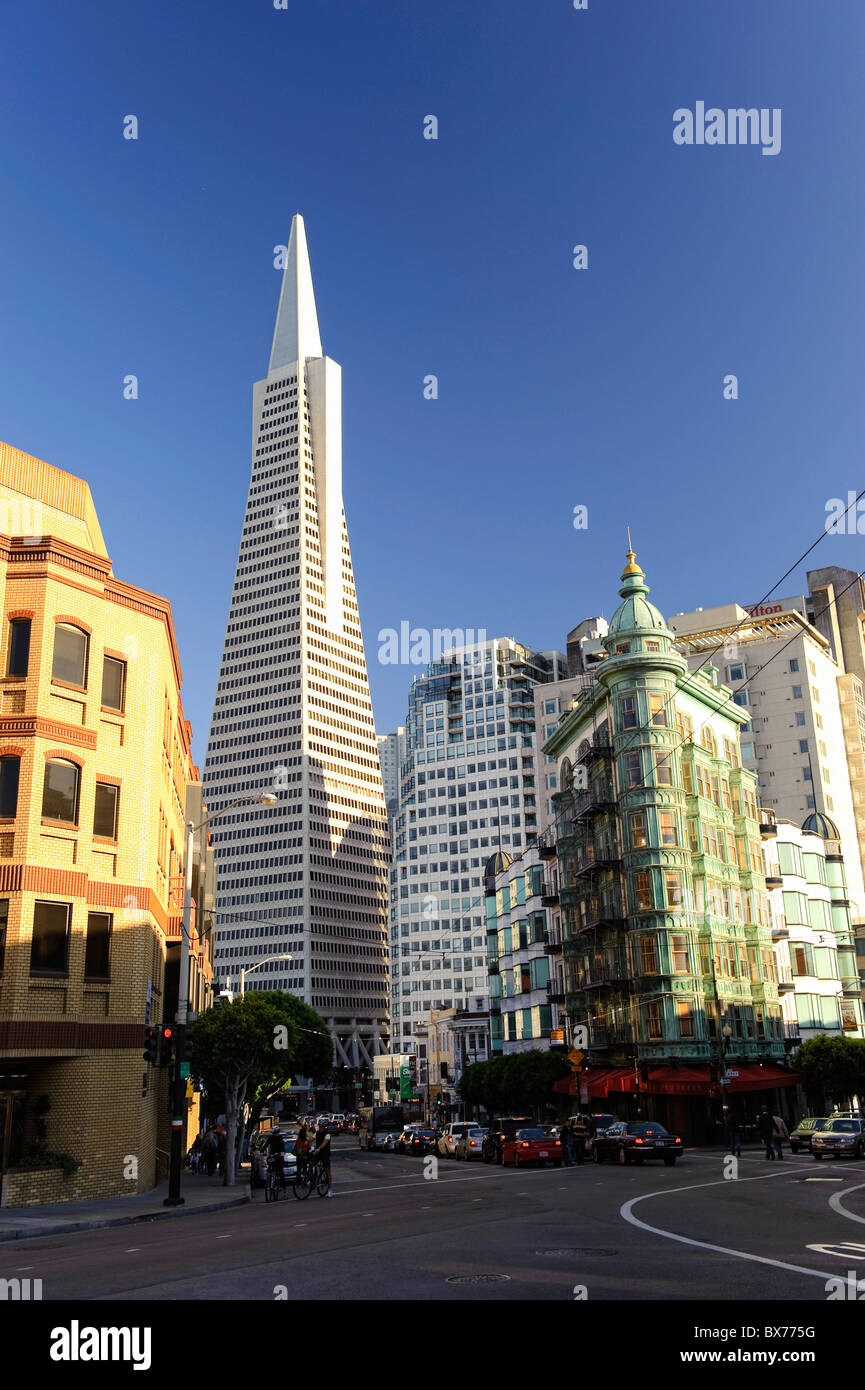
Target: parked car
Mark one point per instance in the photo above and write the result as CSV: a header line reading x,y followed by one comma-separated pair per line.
x,y
420,1141
258,1157
452,1133
636,1141
503,1127
470,1144
838,1137
389,1143
531,1146
800,1137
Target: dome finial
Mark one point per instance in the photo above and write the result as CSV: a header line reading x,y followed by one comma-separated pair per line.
x,y
631,567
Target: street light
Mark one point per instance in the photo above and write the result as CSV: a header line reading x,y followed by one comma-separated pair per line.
x,y
178,1109
248,969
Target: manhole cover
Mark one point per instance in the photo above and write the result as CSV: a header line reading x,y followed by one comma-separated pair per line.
x,y
577,1250
478,1279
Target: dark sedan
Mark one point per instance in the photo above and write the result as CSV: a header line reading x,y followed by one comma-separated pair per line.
x,y
420,1141
635,1142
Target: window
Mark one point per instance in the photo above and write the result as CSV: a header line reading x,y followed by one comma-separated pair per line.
x,y
19,647
70,655
657,710
628,711
9,770
709,741
663,771
687,779
49,951
685,725
680,954
550,707
105,811
797,692
685,1015
60,792
643,890
648,955
740,697
803,745
98,949
737,673
673,889
669,833
638,830
653,1020
113,683
633,770
653,646
794,664
623,648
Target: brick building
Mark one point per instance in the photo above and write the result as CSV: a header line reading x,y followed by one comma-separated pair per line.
x,y
96,782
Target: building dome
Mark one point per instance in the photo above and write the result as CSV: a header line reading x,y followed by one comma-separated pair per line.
x,y
821,825
635,613
497,863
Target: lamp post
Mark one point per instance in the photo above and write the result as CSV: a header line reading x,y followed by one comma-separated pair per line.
x,y
178,1108
248,969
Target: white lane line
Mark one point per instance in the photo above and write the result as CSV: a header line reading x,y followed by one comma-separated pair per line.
x,y
131,1249
223,1237
18,1268
837,1204
626,1213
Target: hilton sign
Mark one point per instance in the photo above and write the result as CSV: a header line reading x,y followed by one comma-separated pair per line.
x,y
782,605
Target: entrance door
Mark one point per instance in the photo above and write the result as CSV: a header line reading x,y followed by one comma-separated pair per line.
x,y
11,1128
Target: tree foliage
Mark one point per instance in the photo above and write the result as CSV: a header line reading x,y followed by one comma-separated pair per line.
x,y
833,1066
249,1049
517,1081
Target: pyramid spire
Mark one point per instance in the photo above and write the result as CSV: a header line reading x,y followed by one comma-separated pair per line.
x,y
296,334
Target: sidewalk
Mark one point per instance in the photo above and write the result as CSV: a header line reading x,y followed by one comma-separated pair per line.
x,y
200,1194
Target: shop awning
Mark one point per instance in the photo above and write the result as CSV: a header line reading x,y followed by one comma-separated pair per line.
x,y
761,1076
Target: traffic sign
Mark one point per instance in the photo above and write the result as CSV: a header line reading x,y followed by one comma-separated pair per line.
x,y
575,1057
184,1070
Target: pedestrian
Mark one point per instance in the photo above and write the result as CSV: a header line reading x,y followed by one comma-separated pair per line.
x,y
766,1130
779,1134
209,1145
567,1142
734,1137
322,1152
579,1134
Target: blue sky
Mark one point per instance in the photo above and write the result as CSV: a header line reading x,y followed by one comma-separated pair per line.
x,y
557,387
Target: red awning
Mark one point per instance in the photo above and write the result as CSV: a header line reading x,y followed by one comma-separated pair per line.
x,y
761,1076
566,1085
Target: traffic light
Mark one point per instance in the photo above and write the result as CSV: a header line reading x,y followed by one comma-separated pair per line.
x,y
166,1041
185,1053
151,1046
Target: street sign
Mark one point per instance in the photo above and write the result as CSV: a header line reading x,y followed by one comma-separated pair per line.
x,y
575,1057
725,1081
730,1074
184,1070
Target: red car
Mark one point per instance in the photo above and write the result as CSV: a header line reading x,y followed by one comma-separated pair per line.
x,y
531,1146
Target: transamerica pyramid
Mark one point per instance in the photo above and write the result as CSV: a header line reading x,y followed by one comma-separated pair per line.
x,y
292,714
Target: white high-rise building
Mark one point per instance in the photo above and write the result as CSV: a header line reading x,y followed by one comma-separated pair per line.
x,y
468,789
307,877
783,674
391,752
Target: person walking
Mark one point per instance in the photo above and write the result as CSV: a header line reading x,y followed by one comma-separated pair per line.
x,y
779,1134
567,1142
209,1145
579,1133
734,1137
322,1152
766,1130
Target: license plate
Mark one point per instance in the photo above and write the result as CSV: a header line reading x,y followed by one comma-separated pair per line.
x,y
659,1143
543,1154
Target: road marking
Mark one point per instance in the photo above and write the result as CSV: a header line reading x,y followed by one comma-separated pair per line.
x,y
131,1249
20,1267
223,1237
840,1249
299,1223
837,1204
626,1213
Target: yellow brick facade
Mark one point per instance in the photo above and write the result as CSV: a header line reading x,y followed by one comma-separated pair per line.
x,y
78,1039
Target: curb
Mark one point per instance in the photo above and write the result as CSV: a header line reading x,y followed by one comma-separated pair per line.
x,y
70,1227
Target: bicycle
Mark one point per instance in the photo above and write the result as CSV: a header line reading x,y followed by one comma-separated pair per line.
x,y
274,1182
311,1173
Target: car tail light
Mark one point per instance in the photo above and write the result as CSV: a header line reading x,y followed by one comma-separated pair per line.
x,y
678,1140
558,1143
638,1141
473,1143
525,1144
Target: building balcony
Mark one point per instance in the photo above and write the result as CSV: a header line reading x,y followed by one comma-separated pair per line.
x,y
785,978
546,850
792,1034
549,895
600,914
604,859
780,932
598,748
554,997
594,802
552,944
768,822
774,881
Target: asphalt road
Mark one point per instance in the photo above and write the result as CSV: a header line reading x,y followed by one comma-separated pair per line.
x,y
487,1233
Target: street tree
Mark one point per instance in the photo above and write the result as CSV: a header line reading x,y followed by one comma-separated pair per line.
x,y
254,1043
834,1068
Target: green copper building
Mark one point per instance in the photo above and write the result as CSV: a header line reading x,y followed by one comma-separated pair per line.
x,y
670,979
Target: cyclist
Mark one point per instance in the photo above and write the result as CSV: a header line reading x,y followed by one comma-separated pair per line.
x,y
276,1152
301,1148
322,1151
